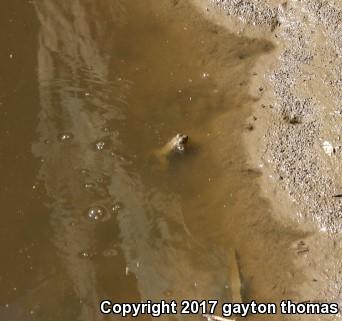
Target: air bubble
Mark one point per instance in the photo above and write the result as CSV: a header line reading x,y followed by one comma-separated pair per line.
x,y
89,186
96,213
84,254
65,137
84,171
117,207
100,180
100,145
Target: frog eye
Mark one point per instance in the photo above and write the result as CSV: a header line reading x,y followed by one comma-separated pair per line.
x,y
184,139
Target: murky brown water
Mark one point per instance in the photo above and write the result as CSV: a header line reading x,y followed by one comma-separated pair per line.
x,y
89,90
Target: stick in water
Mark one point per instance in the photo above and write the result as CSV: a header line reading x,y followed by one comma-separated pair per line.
x,y
234,276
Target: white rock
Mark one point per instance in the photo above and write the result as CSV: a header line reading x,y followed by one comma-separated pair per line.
x,y
328,148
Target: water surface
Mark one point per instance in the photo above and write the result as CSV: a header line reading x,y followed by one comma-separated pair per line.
x,y
89,91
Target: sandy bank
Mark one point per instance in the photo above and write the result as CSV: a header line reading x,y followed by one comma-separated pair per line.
x,y
301,99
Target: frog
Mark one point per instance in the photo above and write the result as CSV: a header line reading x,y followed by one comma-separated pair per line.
x,y
175,146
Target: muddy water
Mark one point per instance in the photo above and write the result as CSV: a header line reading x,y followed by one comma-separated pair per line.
x,y
89,91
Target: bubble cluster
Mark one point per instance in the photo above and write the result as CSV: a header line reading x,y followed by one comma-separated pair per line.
x,y
100,145
96,213
117,207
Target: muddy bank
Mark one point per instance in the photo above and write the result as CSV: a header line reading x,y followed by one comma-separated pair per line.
x,y
297,122
301,95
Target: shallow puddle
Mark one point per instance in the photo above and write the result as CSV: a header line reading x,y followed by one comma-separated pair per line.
x,y
90,91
